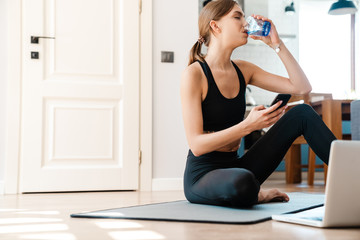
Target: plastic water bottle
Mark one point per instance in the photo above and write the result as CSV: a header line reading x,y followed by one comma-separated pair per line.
x,y
257,27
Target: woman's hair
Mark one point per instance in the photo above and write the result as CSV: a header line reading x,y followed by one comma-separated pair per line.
x,y
213,10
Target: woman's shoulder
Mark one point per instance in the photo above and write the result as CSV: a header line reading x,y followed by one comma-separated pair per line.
x,y
194,68
193,73
192,80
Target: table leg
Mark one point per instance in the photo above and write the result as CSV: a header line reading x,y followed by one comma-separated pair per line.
x,y
293,164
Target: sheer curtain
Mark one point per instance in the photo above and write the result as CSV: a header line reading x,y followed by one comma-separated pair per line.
x,y
324,48
357,53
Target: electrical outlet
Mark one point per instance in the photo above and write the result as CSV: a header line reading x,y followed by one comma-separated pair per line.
x,y
34,55
167,57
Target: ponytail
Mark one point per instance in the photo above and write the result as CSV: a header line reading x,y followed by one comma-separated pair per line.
x,y
195,53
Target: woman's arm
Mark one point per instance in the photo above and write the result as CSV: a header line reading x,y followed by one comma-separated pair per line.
x,y
297,83
200,142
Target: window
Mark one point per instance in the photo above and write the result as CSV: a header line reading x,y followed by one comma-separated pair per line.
x,y
324,48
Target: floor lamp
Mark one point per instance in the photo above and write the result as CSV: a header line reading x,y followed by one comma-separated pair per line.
x,y
343,7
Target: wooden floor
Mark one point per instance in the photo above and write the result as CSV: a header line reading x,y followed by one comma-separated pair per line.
x,y
46,216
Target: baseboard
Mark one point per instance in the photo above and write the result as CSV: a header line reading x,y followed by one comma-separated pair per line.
x,y
281,176
2,187
167,184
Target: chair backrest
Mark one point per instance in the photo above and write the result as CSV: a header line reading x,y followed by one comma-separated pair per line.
x,y
355,120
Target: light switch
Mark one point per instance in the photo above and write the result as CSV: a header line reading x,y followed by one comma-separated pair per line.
x,y
167,56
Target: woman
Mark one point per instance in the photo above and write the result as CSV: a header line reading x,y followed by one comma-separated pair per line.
x,y
213,105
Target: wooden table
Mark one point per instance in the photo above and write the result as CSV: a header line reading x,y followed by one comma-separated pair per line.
x,y
333,112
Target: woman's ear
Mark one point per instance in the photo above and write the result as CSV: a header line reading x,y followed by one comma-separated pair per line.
x,y
214,27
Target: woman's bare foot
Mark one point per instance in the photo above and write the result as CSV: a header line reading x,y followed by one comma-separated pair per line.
x,y
272,195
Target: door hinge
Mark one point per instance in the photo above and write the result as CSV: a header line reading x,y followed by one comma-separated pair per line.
x,y
140,156
140,6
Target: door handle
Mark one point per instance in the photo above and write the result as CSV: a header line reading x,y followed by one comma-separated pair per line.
x,y
35,39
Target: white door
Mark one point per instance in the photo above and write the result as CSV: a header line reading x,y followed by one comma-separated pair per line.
x,y
80,99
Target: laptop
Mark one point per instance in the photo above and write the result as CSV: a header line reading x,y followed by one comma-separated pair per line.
x,y
342,192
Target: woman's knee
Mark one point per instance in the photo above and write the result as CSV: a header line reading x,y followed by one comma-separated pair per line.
x,y
245,189
302,108
302,111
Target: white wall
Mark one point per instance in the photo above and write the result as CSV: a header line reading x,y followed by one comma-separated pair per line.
x,y
175,29
3,73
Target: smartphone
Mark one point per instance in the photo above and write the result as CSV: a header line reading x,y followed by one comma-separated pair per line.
x,y
281,97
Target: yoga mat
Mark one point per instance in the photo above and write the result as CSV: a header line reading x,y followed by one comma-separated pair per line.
x,y
184,211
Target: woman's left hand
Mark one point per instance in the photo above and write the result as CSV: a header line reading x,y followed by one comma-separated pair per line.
x,y
273,39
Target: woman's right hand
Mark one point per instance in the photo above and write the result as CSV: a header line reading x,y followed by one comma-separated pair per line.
x,y
261,117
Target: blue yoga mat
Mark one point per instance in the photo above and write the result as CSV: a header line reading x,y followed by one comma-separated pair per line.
x,y
184,211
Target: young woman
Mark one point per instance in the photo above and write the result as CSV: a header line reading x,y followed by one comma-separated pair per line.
x,y
213,106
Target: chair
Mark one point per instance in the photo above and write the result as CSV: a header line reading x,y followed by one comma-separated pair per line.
x,y
355,120
293,156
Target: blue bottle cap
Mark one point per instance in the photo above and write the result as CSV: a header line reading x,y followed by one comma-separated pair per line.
x,y
266,28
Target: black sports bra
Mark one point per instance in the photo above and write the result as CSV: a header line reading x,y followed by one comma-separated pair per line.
x,y
218,111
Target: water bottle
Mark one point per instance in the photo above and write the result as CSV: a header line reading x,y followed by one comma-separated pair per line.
x,y
257,27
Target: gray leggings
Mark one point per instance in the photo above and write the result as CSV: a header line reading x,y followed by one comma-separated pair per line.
x,y
224,178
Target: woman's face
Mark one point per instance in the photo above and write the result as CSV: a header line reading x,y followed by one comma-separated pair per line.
x,y
232,27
